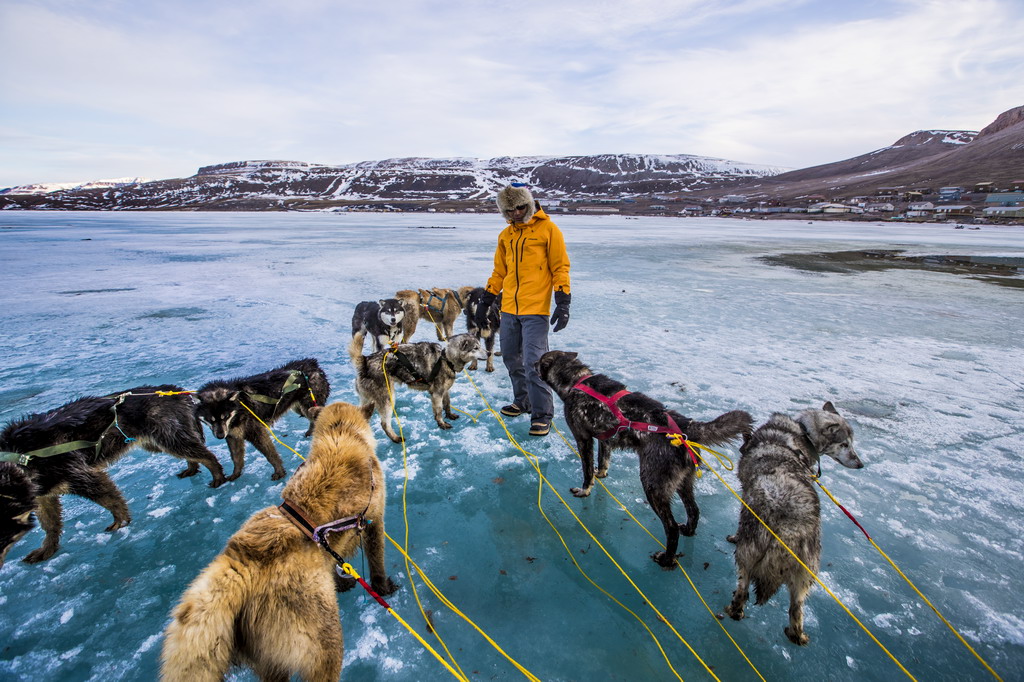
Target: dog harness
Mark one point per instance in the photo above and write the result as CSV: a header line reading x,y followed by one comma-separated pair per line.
x,y
318,534
404,362
291,384
672,430
443,300
23,458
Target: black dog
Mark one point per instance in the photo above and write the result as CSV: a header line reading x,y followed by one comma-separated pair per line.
x,y
489,332
66,450
17,502
664,468
228,406
380,320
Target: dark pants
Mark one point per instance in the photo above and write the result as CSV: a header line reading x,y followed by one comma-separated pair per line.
x,y
524,338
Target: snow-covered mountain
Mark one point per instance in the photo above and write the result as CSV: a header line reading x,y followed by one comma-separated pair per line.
x,y
51,187
297,184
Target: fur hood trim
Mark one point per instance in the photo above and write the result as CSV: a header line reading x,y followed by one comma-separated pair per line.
x,y
510,197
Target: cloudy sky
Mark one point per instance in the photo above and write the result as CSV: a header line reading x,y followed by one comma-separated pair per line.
x,y
97,89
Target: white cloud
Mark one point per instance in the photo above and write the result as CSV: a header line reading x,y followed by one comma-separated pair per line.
x,y
790,83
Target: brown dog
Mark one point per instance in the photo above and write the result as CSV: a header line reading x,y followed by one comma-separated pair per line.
x,y
441,306
268,600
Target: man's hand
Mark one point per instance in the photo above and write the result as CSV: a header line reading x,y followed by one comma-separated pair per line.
x,y
560,317
486,301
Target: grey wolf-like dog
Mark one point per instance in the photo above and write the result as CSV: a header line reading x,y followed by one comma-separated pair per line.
x,y
492,323
381,320
665,470
439,305
104,428
776,467
228,406
268,600
423,366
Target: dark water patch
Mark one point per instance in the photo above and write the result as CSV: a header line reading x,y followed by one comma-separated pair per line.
x,y
194,258
79,292
1002,270
431,227
191,314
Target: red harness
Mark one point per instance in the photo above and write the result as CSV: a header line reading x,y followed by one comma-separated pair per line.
x,y
626,424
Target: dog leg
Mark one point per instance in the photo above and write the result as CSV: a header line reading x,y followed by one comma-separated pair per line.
x,y
661,504
690,503
740,596
437,401
374,552
797,594
236,446
489,345
96,485
49,515
261,439
585,446
385,412
447,404
604,458
197,454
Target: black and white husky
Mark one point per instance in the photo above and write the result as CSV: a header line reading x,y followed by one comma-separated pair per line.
x,y
665,470
776,467
380,320
489,332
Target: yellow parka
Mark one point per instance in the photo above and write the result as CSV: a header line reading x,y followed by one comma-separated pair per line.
x,y
529,264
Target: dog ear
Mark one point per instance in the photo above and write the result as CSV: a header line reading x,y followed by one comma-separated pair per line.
x,y
829,407
380,302
234,396
23,518
573,354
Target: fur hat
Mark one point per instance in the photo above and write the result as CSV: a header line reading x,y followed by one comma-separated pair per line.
x,y
510,197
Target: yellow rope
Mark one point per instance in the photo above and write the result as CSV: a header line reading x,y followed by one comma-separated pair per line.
x,y
656,539
272,432
534,462
347,568
405,510
919,593
444,600
825,587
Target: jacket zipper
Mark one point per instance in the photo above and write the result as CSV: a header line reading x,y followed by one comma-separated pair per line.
x,y
517,256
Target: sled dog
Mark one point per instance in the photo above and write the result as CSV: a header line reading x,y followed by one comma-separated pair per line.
x,y
381,320
441,306
665,470
17,504
423,366
775,469
489,332
66,451
268,600
228,406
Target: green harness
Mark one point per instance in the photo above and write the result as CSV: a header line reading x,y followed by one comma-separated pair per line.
x,y
290,384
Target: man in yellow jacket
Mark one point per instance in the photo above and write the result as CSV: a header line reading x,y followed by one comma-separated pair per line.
x,y
529,264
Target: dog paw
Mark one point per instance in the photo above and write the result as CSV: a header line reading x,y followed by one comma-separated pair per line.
x,y
666,561
344,583
117,524
443,425
731,538
601,473
233,477
37,555
395,439
185,473
452,416
688,530
218,482
580,492
795,637
390,587
278,475
734,613
490,368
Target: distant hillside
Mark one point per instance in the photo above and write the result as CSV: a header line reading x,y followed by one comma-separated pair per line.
x,y
253,185
927,158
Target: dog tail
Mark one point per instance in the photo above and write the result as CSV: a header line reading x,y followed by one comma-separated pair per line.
x,y
722,429
355,351
200,639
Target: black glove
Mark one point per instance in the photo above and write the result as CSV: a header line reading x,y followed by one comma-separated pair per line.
x,y
560,317
482,307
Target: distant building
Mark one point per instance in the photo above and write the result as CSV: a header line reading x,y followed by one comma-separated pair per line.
x,y
1017,186
950,193
733,199
984,187
1004,212
1005,198
597,209
954,210
880,208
